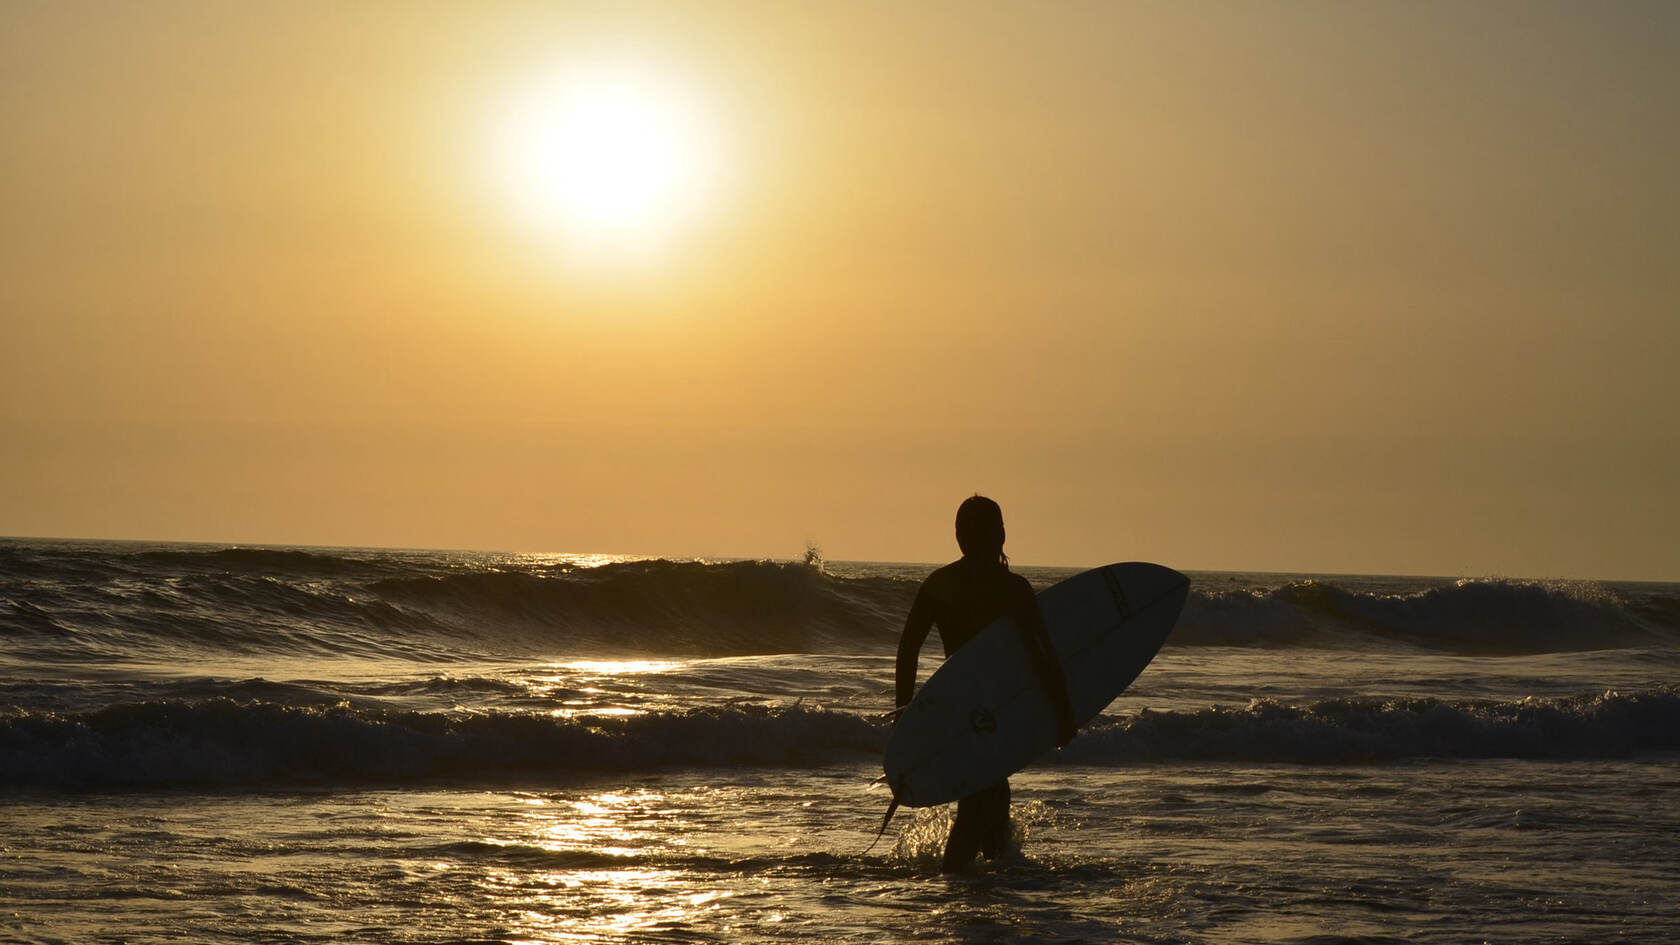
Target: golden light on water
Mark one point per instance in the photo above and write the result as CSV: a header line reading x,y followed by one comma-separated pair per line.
x,y
593,712
599,688
592,902
622,667
594,824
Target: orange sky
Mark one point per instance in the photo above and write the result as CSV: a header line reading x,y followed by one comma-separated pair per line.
x,y
1309,286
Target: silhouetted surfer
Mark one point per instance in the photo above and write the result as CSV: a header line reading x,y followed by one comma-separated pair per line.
x,y
961,599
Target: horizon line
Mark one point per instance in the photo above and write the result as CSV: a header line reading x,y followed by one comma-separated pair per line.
x,y
230,545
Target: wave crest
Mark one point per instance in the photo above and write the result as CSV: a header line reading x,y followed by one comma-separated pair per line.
x,y
1605,725
223,742
260,745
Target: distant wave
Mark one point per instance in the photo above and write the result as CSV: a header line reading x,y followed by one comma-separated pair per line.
x,y
1606,725
289,560
294,603
734,608
76,603
259,745
1492,616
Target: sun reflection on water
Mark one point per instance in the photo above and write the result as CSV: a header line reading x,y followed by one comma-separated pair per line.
x,y
621,667
586,688
593,710
598,901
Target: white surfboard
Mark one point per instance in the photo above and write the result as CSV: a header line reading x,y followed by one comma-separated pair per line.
x,y
984,715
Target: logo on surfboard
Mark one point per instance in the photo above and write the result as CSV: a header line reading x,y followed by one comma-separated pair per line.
x,y
982,721
1118,593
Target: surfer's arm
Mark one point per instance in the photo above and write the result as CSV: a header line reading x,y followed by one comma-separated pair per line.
x,y
1042,653
916,627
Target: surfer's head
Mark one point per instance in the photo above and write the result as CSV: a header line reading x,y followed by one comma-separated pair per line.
x,y
980,530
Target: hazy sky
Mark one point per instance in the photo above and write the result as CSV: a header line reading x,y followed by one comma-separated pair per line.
x,y
1342,286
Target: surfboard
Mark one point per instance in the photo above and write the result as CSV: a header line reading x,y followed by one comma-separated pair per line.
x,y
983,715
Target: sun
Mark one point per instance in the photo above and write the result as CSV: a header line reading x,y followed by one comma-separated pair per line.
x,y
611,157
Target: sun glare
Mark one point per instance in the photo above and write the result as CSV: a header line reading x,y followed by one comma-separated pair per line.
x,y
610,157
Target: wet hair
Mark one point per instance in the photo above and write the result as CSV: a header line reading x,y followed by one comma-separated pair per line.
x,y
980,530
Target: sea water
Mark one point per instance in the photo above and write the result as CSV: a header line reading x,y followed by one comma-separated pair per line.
x,y
216,744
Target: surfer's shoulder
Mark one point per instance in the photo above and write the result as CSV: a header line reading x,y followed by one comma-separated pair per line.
x,y
948,572
943,583
1020,592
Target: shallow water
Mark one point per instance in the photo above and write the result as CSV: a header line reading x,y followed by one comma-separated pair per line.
x,y
1431,852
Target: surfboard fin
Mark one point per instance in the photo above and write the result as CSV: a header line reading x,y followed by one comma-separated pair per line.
x,y
891,809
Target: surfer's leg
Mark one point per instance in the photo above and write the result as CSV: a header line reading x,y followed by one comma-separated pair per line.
x,y
982,825
961,845
964,842
994,840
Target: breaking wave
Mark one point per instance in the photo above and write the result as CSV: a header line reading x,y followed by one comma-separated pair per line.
x,y
262,745
223,742
1605,725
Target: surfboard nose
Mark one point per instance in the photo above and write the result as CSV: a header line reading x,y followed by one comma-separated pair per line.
x,y
1146,584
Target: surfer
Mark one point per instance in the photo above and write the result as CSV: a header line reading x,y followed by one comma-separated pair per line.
x,y
961,599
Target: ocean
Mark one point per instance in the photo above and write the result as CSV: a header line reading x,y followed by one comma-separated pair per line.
x,y
217,744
